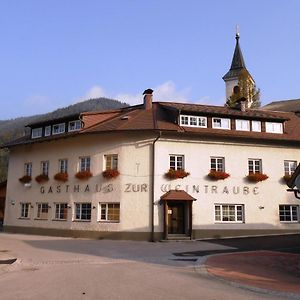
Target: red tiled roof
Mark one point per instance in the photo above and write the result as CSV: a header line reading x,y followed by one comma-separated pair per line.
x,y
177,195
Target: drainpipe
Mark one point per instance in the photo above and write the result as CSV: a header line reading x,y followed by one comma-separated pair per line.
x,y
152,185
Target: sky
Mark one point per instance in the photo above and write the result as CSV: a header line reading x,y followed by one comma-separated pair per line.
x,y
60,52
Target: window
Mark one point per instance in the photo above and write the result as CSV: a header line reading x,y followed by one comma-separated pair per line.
x,y
63,165
42,211
221,123
254,166
47,130
229,213
273,127
110,212
74,125
58,128
85,163
217,164
289,213
28,169
36,132
45,167
83,211
111,162
25,210
256,126
243,125
176,162
289,167
61,211
193,121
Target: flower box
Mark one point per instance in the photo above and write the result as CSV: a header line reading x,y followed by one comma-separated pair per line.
x,y
41,178
174,174
83,175
61,177
25,179
110,173
256,177
286,178
217,175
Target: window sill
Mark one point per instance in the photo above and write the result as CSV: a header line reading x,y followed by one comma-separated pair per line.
x,y
64,220
289,222
23,218
40,219
229,222
107,221
85,221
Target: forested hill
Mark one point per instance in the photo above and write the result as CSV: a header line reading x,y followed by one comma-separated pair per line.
x,y
15,128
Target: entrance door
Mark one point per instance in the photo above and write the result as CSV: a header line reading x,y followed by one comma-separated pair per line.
x,y
176,220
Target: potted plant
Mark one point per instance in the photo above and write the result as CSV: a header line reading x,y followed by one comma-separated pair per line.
x,y
61,176
25,179
41,178
286,178
256,177
110,173
83,175
217,175
174,174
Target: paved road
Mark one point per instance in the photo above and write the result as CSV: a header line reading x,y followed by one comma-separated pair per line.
x,y
65,268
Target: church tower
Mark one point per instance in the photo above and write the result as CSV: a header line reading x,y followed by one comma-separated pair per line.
x,y
237,72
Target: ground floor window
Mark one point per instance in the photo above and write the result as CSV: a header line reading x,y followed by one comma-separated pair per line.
x,y
83,211
229,213
110,212
25,210
289,213
61,211
42,211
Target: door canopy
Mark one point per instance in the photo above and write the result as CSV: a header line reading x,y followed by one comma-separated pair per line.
x,y
177,195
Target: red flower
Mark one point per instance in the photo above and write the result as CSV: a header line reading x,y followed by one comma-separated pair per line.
x,y
25,179
256,177
83,175
216,175
41,178
174,174
61,177
110,173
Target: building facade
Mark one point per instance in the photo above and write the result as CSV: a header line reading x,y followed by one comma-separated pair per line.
x,y
158,170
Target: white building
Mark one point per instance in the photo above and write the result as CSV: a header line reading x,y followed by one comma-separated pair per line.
x,y
156,170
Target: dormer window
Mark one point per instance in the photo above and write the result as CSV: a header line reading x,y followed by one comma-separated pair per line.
x,y
274,127
47,130
243,125
58,128
193,121
256,126
220,123
36,132
74,125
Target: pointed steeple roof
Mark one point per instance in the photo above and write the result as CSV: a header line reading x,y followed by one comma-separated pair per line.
x,y
237,63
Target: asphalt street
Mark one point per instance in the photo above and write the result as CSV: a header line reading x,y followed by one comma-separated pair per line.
x,y
66,268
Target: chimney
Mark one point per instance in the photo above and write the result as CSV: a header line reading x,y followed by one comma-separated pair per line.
x,y
148,99
242,104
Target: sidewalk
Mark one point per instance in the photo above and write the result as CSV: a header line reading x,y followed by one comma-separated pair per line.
x,y
275,271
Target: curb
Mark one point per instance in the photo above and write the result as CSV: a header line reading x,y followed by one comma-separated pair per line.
x,y
201,269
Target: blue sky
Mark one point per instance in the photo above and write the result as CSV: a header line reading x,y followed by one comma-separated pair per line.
x,y
56,53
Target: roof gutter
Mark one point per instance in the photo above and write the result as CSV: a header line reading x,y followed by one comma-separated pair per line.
x,y
152,186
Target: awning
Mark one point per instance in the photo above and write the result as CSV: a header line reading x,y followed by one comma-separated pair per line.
x,y
177,195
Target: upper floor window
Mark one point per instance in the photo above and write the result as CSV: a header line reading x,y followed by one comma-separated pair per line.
x,y
28,169
47,130
74,125
45,167
193,121
111,162
221,123
290,167
58,128
256,126
63,165
243,125
85,164
254,166
36,132
176,162
274,127
217,164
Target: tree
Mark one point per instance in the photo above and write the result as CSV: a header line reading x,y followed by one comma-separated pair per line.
x,y
245,89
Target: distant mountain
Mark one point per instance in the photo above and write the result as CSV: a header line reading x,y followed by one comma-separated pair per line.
x,y
15,128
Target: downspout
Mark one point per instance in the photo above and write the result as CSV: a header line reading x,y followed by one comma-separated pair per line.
x,y
152,186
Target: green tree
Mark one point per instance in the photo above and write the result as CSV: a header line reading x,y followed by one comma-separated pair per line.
x,y
244,89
